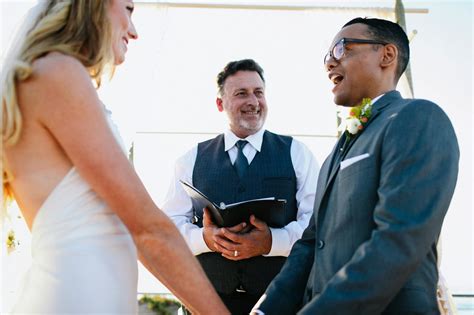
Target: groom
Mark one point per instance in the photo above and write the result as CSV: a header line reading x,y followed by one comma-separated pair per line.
x,y
370,247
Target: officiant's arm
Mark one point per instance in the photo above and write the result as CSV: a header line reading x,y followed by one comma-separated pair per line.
x,y
77,121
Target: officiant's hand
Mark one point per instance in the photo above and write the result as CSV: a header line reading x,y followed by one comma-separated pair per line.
x,y
238,246
213,234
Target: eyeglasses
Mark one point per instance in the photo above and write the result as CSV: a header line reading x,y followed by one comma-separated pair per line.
x,y
338,50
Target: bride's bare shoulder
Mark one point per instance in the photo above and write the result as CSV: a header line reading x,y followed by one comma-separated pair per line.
x,y
52,71
56,78
56,63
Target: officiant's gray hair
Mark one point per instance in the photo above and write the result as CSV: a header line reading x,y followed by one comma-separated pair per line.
x,y
233,67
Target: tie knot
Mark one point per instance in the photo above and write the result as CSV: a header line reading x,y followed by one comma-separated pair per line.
x,y
241,144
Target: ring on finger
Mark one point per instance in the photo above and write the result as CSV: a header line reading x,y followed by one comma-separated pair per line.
x,y
236,253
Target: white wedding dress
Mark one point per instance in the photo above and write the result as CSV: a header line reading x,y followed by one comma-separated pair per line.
x,y
83,258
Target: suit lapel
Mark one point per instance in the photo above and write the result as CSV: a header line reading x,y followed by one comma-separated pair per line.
x,y
325,174
336,158
376,110
332,171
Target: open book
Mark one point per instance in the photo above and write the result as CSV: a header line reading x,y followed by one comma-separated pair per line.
x,y
269,210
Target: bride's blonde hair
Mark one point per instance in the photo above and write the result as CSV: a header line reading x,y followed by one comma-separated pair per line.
x,y
79,28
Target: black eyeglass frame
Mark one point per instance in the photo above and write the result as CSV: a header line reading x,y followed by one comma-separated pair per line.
x,y
345,41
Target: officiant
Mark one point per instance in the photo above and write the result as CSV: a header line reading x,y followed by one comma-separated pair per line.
x,y
244,162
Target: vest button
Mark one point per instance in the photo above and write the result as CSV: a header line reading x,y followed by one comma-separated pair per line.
x,y
320,244
241,189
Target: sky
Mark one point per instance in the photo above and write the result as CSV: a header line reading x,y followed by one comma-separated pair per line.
x,y
154,102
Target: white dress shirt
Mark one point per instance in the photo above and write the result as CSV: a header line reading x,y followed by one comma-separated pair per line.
x,y
178,205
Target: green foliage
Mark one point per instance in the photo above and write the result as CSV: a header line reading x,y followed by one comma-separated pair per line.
x,y
160,305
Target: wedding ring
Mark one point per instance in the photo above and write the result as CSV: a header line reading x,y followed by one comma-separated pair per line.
x,y
236,253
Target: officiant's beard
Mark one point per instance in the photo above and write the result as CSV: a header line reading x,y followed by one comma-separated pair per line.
x,y
252,126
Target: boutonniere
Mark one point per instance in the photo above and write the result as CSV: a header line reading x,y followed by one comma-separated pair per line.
x,y
358,117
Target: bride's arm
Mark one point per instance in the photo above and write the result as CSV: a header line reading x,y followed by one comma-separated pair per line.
x,y
72,112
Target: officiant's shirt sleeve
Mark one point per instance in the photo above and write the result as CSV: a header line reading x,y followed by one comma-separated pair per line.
x,y
177,204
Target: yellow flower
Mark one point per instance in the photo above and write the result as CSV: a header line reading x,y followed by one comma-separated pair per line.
x,y
12,243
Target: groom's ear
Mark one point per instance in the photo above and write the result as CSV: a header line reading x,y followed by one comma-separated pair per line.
x,y
390,56
220,106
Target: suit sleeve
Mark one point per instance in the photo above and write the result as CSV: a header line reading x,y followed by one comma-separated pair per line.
x,y
418,172
285,293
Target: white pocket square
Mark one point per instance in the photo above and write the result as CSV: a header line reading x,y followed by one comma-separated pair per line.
x,y
352,160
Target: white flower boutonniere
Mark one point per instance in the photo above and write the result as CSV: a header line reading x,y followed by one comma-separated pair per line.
x,y
353,125
358,116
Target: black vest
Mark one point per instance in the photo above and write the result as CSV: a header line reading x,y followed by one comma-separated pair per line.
x,y
271,174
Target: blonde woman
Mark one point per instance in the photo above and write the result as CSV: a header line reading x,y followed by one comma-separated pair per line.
x,y
88,212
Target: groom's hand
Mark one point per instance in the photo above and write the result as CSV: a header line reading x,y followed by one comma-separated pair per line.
x,y
213,235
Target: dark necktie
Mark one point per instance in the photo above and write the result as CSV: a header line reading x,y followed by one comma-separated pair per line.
x,y
241,163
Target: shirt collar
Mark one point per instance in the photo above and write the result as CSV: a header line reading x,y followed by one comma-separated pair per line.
x,y
377,98
255,140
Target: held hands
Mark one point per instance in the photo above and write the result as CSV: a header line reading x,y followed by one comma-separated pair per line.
x,y
239,242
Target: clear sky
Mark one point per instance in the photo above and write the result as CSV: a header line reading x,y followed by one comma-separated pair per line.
x,y
442,69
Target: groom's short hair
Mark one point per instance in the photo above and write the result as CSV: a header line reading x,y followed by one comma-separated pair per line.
x,y
389,32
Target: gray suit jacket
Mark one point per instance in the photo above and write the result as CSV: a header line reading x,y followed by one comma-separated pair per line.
x,y
370,247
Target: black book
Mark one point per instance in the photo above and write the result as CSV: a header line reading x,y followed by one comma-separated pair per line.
x,y
270,210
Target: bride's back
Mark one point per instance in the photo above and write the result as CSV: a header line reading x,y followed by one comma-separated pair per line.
x,y
37,163
77,240
83,201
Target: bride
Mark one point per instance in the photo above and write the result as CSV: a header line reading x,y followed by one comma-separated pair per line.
x,y
88,212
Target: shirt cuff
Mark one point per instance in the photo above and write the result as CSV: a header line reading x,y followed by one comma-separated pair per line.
x,y
280,243
197,244
257,312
